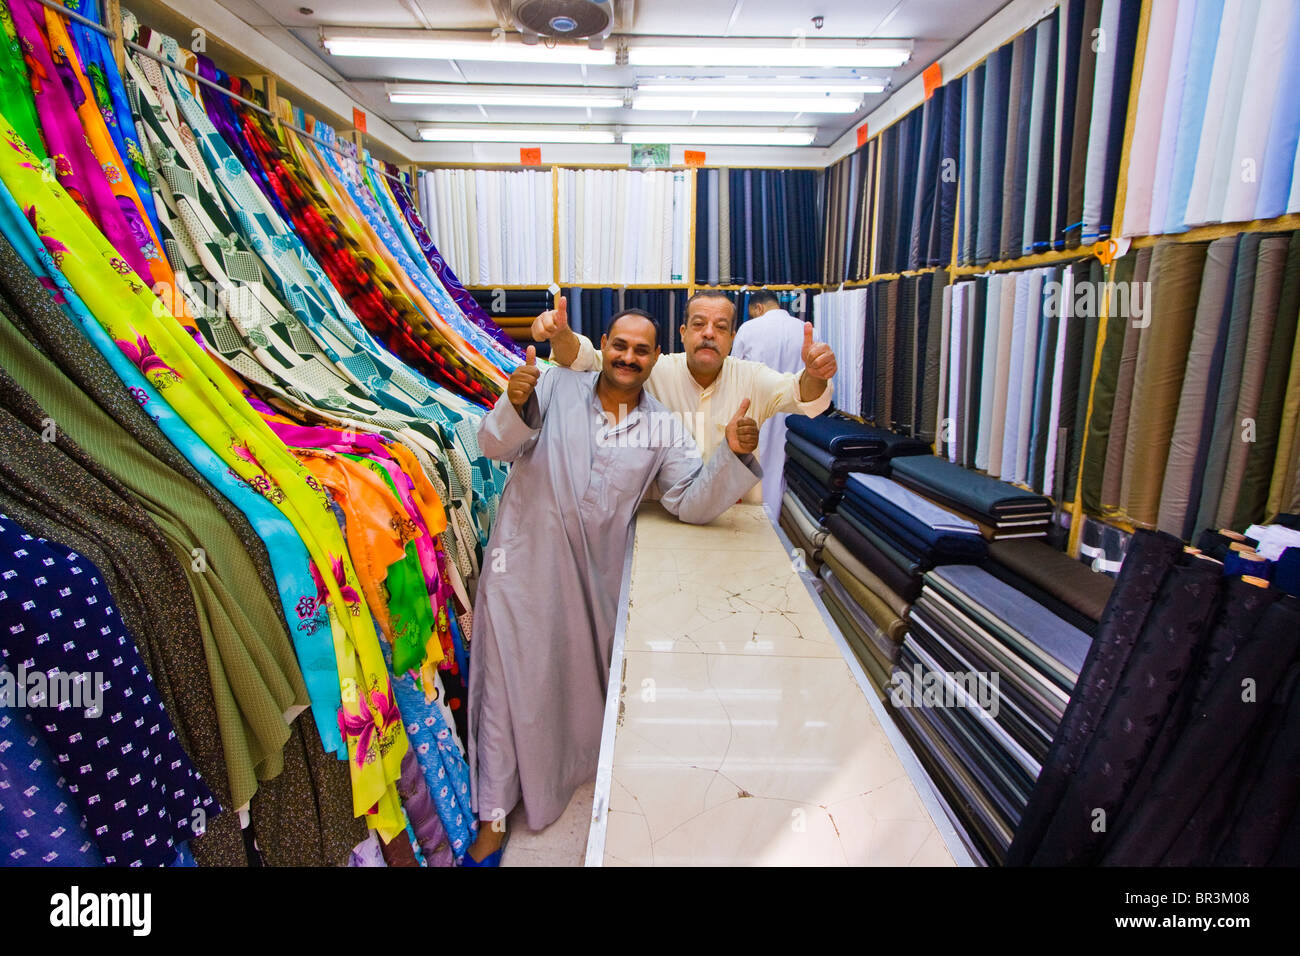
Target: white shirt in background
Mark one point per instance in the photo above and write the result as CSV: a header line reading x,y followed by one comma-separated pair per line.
x,y
775,338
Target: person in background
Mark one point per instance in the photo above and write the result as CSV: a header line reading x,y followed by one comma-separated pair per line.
x,y
585,446
776,338
705,384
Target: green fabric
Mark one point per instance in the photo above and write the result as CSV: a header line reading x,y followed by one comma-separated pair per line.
x,y
1103,397
16,88
410,610
251,663
876,606
198,390
861,646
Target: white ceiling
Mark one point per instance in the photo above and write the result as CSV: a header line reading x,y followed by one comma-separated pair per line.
x,y
935,26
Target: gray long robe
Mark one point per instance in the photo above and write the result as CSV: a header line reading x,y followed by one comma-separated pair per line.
x,y
548,593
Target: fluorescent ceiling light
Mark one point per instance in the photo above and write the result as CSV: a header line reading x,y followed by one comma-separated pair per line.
x,y
757,54
515,134
752,103
743,86
430,45
720,136
469,94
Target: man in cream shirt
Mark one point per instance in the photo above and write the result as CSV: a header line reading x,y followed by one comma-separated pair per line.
x,y
704,384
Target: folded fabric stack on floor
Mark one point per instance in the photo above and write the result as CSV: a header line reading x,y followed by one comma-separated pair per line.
x,y
882,540
804,529
1159,741
1001,510
822,452
1069,589
982,681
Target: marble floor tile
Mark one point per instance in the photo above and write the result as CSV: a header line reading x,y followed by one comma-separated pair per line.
x,y
563,843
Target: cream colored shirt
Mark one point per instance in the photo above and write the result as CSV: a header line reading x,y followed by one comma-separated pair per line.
x,y
706,411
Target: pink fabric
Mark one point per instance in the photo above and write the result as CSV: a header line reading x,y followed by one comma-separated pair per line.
x,y
75,165
1145,145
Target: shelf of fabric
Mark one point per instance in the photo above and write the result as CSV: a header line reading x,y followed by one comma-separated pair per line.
x,y
492,225
755,226
623,226
698,682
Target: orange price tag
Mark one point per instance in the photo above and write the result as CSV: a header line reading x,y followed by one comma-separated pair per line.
x,y
932,78
358,120
862,134
530,155
694,157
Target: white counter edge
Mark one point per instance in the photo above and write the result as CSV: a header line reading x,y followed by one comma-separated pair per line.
x,y
613,696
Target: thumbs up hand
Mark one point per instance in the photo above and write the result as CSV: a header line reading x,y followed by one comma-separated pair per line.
x,y
742,432
551,323
818,359
523,380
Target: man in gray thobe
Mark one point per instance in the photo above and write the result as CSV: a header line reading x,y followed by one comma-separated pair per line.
x,y
585,446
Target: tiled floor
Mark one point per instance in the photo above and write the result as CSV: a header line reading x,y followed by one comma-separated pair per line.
x,y
563,843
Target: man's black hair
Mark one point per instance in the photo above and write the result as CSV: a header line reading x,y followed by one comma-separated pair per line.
x,y
641,313
764,297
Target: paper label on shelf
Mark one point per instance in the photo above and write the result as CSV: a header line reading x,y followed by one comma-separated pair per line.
x,y
530,155
862,134
694,157
358,120
932,78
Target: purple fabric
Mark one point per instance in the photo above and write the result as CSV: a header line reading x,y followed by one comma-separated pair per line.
x,y
418,803
473,311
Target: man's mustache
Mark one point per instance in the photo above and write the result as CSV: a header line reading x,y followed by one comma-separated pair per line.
x,y
627,365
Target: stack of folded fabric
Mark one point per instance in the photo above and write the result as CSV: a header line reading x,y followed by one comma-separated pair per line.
x,y
1069,589
804,530
981,684
1000,509
843,441
882,540
809,489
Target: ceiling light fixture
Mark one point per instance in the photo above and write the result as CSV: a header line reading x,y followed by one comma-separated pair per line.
x,y
431,45
515,134
689,102
751,86
757,53
720,136
471,94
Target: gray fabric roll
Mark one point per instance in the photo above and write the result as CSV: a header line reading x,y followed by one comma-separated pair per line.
x,y
1263,316
1216,462
1216,285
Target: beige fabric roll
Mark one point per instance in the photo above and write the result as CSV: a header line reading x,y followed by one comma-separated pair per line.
x,y
1162,359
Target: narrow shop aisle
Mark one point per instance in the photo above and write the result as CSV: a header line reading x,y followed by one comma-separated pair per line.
x,y
741,735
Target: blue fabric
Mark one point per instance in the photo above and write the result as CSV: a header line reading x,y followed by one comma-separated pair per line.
x,y
97,59
441,762
1286,571
1234,565
847,438
979,493
41,823
934,530
112,738
1283,134
290,564
1200,66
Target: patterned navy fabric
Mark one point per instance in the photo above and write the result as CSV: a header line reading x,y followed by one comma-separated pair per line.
x,y
40,823
123,764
